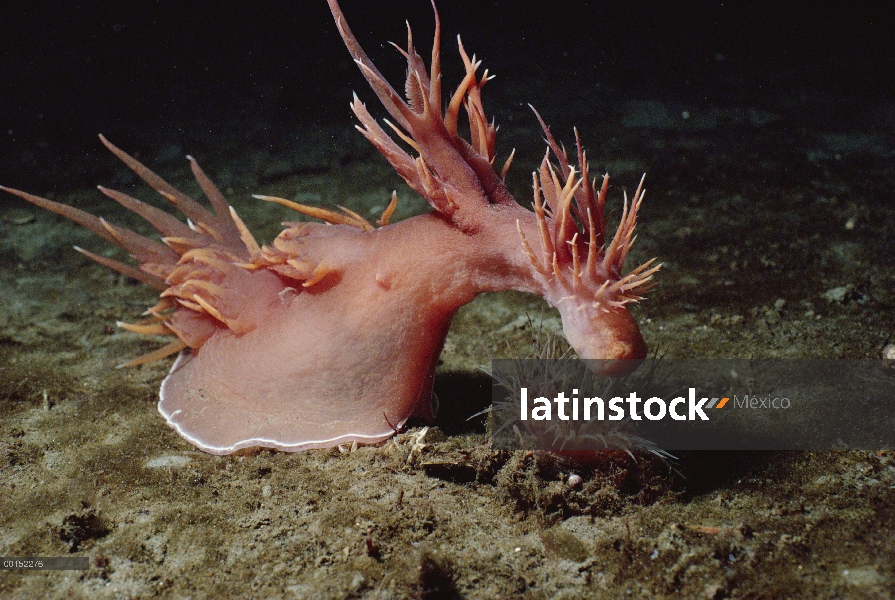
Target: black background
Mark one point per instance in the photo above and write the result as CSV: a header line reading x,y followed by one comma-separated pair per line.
x,y
141,72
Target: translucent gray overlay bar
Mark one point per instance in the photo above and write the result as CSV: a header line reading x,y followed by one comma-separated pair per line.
x,y
695,404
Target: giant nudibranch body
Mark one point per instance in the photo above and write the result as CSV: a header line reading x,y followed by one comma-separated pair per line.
x,y
331,333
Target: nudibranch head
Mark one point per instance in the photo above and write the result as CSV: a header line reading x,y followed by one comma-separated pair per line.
x,y
580,270
610,339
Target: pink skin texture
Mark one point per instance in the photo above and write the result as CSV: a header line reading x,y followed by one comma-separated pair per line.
x,y
331,333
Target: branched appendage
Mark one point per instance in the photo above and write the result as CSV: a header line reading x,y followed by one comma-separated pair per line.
x,y
346,217
575,261
454,175
195,266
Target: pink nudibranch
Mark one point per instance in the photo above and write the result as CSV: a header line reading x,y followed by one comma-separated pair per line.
x,y
331,333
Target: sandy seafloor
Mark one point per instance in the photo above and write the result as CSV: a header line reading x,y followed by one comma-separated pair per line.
x,y
775,219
